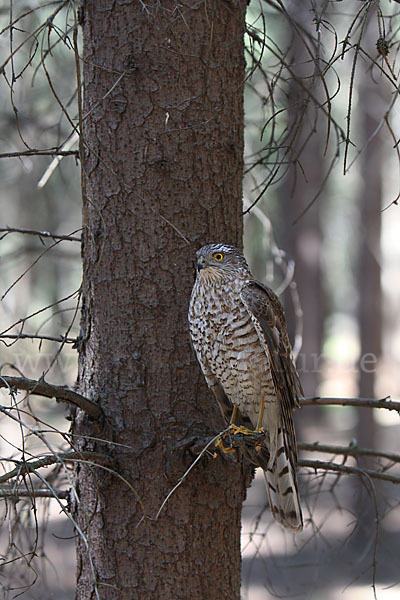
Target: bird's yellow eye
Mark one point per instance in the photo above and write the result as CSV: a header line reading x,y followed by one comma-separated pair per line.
x,y
218,256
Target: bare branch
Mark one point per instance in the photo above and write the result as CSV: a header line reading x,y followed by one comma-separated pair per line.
x,y
62,393
34,152
330,466
351,450
367,402
11,492
24,466
44,234
25,336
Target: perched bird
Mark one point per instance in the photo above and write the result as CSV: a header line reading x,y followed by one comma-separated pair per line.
x,y
238,329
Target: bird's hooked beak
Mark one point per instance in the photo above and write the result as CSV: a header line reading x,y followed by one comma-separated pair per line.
x,y
201,263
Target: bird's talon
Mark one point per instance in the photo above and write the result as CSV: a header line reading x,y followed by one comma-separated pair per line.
x,y
243,430
219,444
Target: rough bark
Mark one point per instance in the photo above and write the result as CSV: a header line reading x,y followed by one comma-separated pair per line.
x,y
163,175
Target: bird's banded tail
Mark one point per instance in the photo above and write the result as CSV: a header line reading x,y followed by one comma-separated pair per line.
x,y
283,495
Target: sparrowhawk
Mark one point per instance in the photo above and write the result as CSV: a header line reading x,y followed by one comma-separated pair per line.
x,y
238,330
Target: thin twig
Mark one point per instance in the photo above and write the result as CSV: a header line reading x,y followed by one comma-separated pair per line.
x,y
194,463
57,159
23,320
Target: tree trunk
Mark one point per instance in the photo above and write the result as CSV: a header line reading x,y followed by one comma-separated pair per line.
x,y
303,243
369,277
370,111
163,134
370,108
302,233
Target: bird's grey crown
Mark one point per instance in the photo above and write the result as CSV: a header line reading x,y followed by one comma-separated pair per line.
x,y
232,256
212,248
233,260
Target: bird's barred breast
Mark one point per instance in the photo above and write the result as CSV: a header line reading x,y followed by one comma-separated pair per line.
x,y
224,336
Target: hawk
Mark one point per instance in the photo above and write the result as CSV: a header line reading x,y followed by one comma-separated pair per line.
x,y
238,330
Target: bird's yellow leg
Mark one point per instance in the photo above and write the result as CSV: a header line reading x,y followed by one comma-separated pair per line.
x,y
235,429
232,427
234,413
260,415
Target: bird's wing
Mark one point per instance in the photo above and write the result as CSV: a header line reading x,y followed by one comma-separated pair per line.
x,y
267,315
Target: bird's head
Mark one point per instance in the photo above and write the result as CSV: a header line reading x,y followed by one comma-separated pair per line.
x,y
219,260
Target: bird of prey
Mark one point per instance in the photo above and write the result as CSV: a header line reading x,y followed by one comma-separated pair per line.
x,y
239,335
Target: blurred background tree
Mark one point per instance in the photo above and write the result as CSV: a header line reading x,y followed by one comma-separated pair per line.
x,y
322,163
